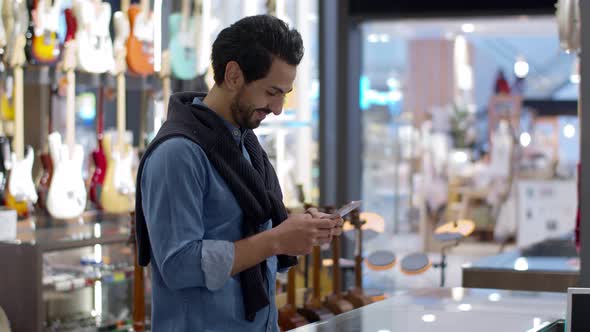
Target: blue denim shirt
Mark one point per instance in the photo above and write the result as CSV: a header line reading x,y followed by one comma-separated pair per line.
x,y
193,219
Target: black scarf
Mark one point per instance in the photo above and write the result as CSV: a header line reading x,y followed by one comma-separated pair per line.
x,y
254,185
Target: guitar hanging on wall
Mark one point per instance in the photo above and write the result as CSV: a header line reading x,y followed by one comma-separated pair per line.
x,y
67,193
119,183
44,44
98,156
21,188
185,31
95,47
140,44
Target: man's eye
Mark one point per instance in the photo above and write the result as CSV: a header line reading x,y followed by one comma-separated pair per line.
x,y
272,94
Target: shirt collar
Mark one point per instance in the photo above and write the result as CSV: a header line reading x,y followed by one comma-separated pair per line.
x,y
236,132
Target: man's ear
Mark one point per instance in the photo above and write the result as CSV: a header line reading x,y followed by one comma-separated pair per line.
x,y
234,77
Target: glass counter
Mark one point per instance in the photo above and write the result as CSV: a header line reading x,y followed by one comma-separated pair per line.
x,y
456,309
551,265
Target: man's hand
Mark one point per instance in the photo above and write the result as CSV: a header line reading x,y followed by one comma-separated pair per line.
x,y
337,230
299,233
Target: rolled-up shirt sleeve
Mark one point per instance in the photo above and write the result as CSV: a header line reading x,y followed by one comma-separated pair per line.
x,y
173,186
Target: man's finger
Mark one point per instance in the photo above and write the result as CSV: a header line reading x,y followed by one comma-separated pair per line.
x,y
324,223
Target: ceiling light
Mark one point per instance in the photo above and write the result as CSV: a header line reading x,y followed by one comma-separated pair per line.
x,y
569,130
373,38
429,318
521,68
525,139
468,28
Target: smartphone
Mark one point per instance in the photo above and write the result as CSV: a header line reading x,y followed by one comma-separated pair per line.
x,y
347,208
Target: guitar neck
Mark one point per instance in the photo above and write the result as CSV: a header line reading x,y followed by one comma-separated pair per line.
x,y
358,259
291,289
19,130
184,15
138,285
336,275
317,266
71,109
125,5
121,98
145,6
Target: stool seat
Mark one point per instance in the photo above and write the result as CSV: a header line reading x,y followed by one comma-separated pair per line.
x,y
447,237
415,263
381,260
464,227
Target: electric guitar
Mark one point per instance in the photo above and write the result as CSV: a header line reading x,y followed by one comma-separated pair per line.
x,y
98,156
45,44
335,302
2,31
67,193
95,47
18,26
140,44
21,189
184,37
119,183
356,296
289,318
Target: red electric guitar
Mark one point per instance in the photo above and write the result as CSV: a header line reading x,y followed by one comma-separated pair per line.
x,y
98,156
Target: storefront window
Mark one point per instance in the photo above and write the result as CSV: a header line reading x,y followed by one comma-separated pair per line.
x,y
480,105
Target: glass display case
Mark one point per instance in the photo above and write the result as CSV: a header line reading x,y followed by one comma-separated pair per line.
x,y
68,275
551,265
456,309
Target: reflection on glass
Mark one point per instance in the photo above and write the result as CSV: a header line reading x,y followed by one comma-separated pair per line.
x,y
458,293
465,307
429,318
495,297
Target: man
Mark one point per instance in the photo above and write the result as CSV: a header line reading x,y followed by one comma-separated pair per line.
x,y
210,216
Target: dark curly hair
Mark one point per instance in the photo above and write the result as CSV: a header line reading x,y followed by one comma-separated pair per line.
x,y
253,42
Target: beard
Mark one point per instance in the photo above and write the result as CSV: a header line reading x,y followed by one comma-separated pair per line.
x,y
245,115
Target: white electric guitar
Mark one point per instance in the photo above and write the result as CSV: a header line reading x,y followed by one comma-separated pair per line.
x,y
95,47
119,184
20,183
66,197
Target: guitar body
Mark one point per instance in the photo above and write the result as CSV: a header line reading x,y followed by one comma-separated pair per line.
x,y
315,314
337,305
44,180
45,44
98,177
4,158
21,184
357,298
118,182
95,47
182,48
140,45
67,193
290,319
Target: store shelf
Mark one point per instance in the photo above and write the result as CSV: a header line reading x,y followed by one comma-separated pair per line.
x,y
23,293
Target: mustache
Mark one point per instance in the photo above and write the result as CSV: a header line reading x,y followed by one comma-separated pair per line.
x,y
265,110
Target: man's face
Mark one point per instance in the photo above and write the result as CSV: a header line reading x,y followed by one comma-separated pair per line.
x,y
255,100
